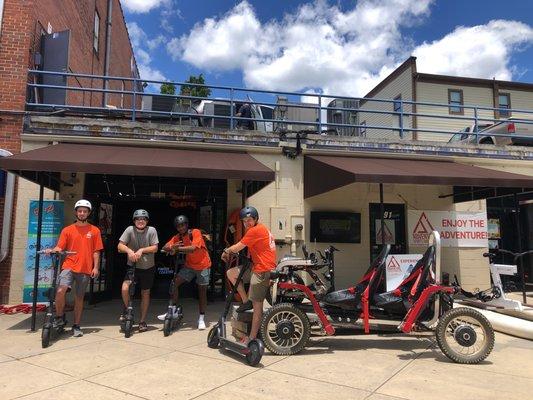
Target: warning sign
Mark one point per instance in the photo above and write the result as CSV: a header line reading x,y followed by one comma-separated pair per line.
x,y
398,267
457,229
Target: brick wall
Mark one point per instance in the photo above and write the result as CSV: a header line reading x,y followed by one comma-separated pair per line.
x,y
23,23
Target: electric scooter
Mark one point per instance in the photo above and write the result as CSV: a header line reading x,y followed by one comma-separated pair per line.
x,y
217,337
127,323
50,325
170,322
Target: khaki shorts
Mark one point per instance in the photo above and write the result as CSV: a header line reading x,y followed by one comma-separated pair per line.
x,y
259,286
66,278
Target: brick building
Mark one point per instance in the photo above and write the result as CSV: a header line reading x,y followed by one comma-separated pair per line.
x,y
95,42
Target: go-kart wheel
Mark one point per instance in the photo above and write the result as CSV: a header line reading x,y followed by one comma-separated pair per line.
x,y
167,326
45,336
285,329
213,338
465,336
128,328
255,352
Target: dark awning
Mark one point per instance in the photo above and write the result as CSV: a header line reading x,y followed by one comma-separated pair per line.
x,y
140,161
325,173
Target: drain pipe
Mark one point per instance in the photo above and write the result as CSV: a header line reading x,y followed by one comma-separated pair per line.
x,y
8,210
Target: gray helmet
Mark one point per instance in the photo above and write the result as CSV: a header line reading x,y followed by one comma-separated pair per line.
x,y
181,219
249,211
141,213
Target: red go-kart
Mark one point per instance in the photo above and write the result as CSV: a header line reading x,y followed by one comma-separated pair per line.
x,y
420,302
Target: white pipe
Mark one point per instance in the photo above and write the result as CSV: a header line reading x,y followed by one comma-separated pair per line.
x,y
8,210
506,324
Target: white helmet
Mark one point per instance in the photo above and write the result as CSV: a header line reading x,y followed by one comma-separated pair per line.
x,y
83,203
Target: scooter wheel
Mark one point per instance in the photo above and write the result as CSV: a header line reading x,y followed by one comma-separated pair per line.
x,y
465,336
45,336
128,328
213,338
167,326
285,329
255,352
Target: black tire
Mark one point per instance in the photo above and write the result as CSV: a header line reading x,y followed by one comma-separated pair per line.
x,y
255,352
167,326
213,338
128,328
285,329
45,336
468,329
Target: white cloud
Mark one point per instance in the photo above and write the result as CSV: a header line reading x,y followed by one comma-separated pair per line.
x,y
482,51
347,52
142,6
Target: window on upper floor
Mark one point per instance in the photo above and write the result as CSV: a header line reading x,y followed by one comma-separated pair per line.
x,y
455,100
96,31
504,105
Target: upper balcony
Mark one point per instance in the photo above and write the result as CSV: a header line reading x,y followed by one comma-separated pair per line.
x,y
74,105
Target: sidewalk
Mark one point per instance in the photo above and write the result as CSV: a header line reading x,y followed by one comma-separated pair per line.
x,y
104,365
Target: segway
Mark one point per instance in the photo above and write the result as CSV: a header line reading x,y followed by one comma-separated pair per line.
x,y
170,323
217,337
50,325
127,322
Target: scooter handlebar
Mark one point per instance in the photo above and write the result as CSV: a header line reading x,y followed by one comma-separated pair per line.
x,y
57,252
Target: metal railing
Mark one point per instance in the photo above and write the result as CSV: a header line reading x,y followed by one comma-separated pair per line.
x,y
375,118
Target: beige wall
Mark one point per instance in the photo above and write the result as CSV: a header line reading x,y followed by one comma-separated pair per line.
x,y
438,93
520,100
402,85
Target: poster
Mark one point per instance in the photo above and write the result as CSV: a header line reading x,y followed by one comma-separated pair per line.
x,y
493,228
457,229
398,267
52,224
390,231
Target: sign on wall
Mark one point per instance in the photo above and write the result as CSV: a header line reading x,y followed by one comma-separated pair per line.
x,y
398,267
51,228
457,229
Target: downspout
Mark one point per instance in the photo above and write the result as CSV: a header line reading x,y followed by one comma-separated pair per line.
x,y
107,49
8,210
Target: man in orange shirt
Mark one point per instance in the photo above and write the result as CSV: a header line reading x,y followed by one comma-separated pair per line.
x,y
197,263
84,239
262,250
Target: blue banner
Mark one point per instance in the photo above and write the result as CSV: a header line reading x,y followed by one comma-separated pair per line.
x,y
53,219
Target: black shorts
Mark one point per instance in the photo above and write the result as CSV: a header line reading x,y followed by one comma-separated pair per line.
x,y
143,277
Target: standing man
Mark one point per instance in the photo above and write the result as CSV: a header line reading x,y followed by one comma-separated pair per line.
x,y
197,263
262,250
84,239
139,242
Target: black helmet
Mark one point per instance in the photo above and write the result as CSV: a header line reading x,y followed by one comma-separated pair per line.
x,y
249,211
181,219
141,214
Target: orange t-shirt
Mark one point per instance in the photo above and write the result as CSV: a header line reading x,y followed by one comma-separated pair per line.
x,y
261,247
199,259
85,241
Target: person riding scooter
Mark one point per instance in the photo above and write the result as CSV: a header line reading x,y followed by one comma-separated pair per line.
x,y
262,250
197,263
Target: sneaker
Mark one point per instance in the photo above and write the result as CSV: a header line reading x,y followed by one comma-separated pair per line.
x,y
76,331
175,314
201,324
143,327
245,306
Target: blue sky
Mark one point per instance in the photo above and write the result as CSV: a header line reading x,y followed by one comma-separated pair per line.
x,y
332,47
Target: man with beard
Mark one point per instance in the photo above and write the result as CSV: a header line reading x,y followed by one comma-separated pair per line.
x,y
85,241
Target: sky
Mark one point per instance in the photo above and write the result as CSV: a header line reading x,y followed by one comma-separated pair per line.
x,y
340,48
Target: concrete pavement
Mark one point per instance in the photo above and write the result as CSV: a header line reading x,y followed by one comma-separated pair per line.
x,y
104,365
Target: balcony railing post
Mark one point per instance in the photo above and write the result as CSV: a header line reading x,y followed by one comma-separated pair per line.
x,y
319,114
476,129
401,119
231,111
134,99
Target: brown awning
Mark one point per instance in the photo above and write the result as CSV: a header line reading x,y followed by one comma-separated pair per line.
x,y
325,173
140,161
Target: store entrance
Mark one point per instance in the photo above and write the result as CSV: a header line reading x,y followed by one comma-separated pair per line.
x,y
394,217
203,201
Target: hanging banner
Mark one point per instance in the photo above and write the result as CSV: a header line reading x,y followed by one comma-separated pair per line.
x,y
398,267
457,229
51,228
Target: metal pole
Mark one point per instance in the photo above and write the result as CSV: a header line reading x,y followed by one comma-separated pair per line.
x,y
319,114
382,213
519,233
476,124
232,113
401,119
38,248
134,100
